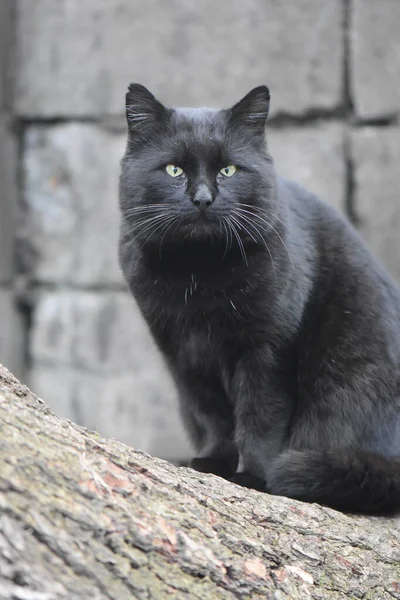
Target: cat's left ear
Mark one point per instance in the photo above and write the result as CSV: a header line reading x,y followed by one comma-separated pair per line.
x,y
143,110
252,110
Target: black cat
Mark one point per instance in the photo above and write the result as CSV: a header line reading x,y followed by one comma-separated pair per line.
x,y
282,332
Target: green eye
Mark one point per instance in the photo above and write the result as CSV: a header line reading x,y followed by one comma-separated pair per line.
x,y
173,170
228,171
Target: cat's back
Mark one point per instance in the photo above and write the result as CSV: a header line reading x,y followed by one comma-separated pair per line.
x,y
330,231
345,266
307,210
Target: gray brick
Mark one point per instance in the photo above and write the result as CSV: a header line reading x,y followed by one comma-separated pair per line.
x,y
314,157
71,191
376,155
8,199
133,409
375,64
97,331
76,58
95,362
11,333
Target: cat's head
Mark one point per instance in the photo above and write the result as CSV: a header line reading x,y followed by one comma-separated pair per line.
x,y
195,173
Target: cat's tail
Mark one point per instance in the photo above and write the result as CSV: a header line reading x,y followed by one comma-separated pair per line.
x,y
348,481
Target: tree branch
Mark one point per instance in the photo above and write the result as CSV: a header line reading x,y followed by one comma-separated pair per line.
x,y
82,517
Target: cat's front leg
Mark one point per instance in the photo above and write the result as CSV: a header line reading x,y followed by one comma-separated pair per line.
x,y
217,452
224,466
263,411
209,420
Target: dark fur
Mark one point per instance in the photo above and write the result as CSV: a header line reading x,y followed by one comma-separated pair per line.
x,y
286,357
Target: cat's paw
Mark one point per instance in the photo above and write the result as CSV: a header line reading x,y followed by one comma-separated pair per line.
x,y
250,481
218,466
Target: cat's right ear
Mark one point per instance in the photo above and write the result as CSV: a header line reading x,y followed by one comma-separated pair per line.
x,y
252,110
143,111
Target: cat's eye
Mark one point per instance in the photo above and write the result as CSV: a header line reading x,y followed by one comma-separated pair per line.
x,y
228,171
173,170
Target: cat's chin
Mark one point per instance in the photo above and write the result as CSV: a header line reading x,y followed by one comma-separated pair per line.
x,y
200,228
201,231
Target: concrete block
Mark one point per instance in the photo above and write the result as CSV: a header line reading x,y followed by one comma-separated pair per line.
x,y
376,157
95,362
314,157
8,199
76,58
97,331
375,51
11,333
133,409
71,192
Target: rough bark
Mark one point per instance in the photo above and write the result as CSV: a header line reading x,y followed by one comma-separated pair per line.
x,y
82,517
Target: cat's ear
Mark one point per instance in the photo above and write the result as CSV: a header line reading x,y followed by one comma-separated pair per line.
x,y
252,110
143,110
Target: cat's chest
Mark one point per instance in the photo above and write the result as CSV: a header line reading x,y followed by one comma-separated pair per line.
x,y
195,317
191,297
199,347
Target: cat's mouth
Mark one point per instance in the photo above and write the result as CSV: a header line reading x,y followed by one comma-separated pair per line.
x,y
197,226
202,224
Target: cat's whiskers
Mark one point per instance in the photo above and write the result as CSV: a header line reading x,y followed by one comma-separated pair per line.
x,y
146,208
175,221
259,233
264,210
269,224
143,221
159,227
236,233
280,238
237,220
143,225
228,237
142,218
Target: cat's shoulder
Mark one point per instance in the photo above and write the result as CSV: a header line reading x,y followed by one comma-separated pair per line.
x,y
304,202
311,214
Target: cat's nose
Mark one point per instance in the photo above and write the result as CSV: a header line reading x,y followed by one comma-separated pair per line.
x,y
203,197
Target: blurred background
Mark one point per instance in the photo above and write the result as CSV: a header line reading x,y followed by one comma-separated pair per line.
x,y
68,327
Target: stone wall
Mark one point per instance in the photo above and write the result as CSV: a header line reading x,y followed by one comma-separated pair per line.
x,y
11,325
333,67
